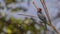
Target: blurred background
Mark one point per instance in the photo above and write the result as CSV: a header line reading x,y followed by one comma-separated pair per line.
x,y
20,17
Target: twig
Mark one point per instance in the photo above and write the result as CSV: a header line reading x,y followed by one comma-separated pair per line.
x,y
35,5
49,21
46,11
28,15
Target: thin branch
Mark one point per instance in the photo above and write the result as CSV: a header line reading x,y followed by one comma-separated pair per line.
x,y
46,11
28,15
49,21
35,5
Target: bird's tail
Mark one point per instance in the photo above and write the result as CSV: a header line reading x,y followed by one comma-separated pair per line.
x,y
45,26
45,29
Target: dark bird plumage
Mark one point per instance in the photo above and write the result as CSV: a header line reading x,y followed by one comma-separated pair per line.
x,y
41,16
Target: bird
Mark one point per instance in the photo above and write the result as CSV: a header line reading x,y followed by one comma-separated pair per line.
x,y
41,16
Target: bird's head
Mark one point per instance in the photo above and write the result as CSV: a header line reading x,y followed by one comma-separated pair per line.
x,y
39,10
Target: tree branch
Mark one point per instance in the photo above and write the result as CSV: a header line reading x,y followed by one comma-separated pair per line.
x,y
48,21
28,15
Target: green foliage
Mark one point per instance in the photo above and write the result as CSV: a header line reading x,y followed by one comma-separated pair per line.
x,y
18,8
18,26
9,1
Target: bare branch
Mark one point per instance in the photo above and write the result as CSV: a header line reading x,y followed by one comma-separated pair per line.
x,y
46,11
35,5
49,21
28,15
